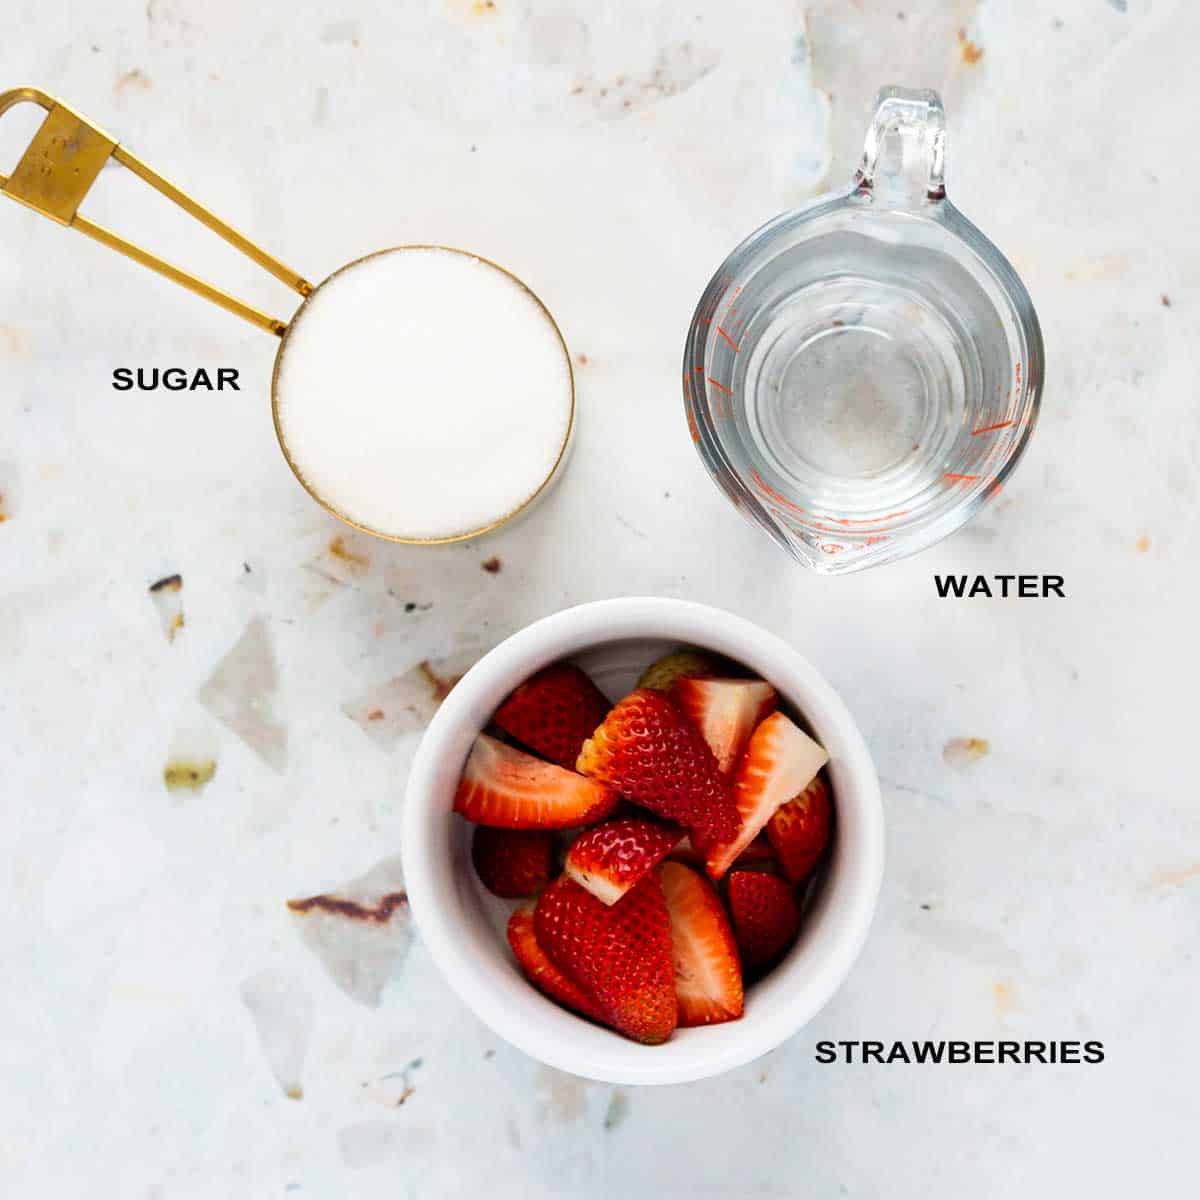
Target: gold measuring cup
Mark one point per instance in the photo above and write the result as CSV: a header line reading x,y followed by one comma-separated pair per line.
x,y
57,171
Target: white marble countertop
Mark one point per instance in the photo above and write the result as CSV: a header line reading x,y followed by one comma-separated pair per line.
x,y
168,1029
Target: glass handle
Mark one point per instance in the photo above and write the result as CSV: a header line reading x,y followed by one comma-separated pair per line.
x,y
904,155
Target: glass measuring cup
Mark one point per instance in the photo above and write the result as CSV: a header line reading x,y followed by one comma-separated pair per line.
x,y
54,176
861,375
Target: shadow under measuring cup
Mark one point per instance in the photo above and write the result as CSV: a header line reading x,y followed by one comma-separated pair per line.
x,y
861,375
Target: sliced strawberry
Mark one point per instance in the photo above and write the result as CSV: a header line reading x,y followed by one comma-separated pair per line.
x,y
650,752
765,916
512,862
510,789
609,859
686,852
779,763
663,672
540,971
708,975
726,711
758,856
799,830
554,712
620,956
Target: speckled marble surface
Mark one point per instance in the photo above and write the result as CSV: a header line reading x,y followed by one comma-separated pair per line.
x,y
168,1028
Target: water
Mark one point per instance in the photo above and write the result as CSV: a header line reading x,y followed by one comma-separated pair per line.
x,y
863,369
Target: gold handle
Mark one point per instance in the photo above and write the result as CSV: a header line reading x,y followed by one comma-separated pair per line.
x,y
62,162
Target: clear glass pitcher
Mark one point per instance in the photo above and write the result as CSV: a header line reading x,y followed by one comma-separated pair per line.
x,y
862,374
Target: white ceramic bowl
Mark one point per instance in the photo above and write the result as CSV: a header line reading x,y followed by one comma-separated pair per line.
x,y
464,927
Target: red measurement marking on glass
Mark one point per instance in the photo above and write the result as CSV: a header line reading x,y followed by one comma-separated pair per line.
x,y
735,324
770,491
813,524
730,340
720,386
990,428
810,526
869,520
954,475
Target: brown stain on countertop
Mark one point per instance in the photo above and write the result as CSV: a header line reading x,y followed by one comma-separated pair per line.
x,y
1167,877
471,10
135,80
1004,998
165,593
674,69
442,685
343,553
186,774
493,565
970,51
394,1089
405,704
1142,544
379,913
360,931
962,752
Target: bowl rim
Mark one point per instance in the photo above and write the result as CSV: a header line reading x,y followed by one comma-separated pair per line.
x,y
844,925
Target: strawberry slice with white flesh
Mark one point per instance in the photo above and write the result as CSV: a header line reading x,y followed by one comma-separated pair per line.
x,y
780,762
509,789
609,859
725,711
708,972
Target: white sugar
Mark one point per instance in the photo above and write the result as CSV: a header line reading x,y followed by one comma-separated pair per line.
x,y
423,393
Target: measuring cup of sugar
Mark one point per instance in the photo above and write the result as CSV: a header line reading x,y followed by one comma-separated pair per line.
x,y
861,375
421,394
